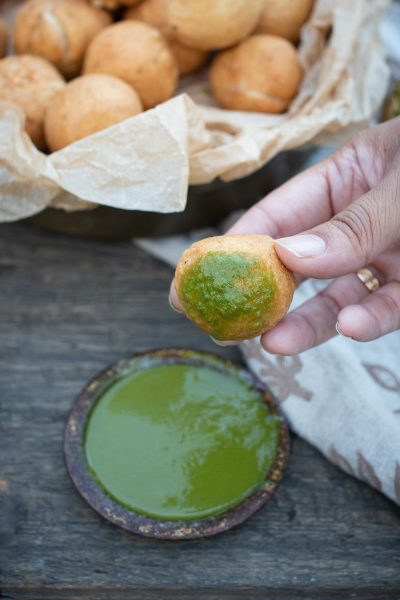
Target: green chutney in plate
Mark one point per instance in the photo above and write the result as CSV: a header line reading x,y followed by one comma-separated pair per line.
x,y
175,444
181,441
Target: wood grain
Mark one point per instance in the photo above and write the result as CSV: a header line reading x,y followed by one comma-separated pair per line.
x,y
68,307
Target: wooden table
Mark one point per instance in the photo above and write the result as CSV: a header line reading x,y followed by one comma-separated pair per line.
x,y
67,308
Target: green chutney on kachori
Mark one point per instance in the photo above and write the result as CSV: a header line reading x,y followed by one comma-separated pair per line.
x,y
234,287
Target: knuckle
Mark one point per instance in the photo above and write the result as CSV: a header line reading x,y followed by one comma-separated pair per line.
x,y
356,224
261,214
332,304
306,329
367,157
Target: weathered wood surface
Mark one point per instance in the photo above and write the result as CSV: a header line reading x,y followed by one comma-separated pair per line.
x,y
67,308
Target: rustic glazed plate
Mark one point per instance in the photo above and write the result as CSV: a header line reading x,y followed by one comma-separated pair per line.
x,y
100,497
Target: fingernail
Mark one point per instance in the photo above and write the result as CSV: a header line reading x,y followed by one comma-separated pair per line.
x,y
340,332
303,246
177,310
224,343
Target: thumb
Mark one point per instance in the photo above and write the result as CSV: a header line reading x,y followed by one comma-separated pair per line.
x,y
349,241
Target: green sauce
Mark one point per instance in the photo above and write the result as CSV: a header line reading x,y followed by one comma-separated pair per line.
x,y
180,441
223,289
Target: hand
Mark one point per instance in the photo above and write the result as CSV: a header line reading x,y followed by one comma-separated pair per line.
x,y
335,218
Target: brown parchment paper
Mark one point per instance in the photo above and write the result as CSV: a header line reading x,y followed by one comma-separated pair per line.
x,y
148,161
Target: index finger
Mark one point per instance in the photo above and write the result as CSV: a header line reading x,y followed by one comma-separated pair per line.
x,y
307,200
299,204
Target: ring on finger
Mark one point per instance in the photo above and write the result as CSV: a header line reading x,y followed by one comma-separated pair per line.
x,y
370,281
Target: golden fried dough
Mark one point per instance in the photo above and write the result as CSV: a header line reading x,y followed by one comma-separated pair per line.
x,y
261,74
30,82
58,30
284,17
188,59
86,105
154,12
138,54
213,24
234,287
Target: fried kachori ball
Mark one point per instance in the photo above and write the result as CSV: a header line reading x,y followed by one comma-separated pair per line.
x,y
284,17
213,24
138,54
86,105
58,30
154,12
262,74
30,82
234,287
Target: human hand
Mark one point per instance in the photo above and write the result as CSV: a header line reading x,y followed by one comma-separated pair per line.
x,y
341,215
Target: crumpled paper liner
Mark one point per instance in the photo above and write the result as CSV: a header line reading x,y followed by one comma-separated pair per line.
x,y
147,162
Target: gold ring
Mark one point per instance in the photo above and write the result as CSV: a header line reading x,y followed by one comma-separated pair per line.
x,y
368,279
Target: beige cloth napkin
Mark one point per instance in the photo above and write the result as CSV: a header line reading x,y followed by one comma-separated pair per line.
x,y
344,398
